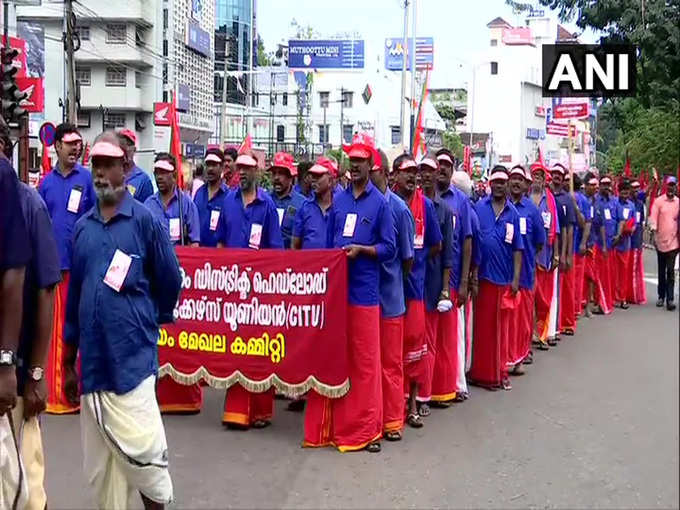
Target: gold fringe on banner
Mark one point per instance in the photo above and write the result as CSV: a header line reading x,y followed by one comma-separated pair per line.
x,y
290,390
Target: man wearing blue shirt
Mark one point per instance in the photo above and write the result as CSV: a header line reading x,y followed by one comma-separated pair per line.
x,y
286,200
591,281
625,212
606,209
499,273
68,193
125,281
392,305
248,220
361,224
637,293
303,186
584,219
210,197
310,230
137,181
533,238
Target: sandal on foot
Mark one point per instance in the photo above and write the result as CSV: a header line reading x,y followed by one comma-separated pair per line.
x,y
261,424
393,435
518,370
296,406
373,447
414,421
505,384
441,404
424,409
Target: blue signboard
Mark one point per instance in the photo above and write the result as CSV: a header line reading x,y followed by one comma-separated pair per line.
x,y
327,54
198,39
394,53
194,150
183,98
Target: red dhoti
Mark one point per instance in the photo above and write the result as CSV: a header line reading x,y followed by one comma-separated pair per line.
x,y
57,403
491,336
391,355
355,420
567,318
579,283
545,281
446,364
637,292
622,275
604,295
418,346
520,328
174,397
243,407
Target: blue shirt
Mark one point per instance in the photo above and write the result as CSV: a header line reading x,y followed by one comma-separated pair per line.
x,y
55,190
587,212
255,226
373,226
392,303
636,238
139,184
533,235
625,211
545,256
117,332
311,225
476,248
15,246
606,209
565,211
205,207
43,271
499,237
460,205
595,222
415,282
298,189
190,220
286,209
434,266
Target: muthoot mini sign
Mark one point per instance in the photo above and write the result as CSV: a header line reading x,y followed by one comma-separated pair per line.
x,y
588,70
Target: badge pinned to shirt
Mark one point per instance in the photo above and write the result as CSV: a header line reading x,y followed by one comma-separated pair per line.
x,y
592,211
509,232
280,211
255,236
607,214
418,241
174,229
626,213
564,210
350,225
74,199
522,225
546,219
453,219
131,189
214,219
118,270
637,217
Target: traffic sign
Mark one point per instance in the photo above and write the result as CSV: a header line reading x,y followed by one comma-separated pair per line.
x,y
47,134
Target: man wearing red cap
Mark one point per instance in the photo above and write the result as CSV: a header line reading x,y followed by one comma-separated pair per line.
x,y
286,200
209,197
637,293
68,193
625,211
137,182
605,208
310,231
582,228
499,274
361,224
592,286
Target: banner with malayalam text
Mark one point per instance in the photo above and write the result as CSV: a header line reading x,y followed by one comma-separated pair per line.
x,y
261,319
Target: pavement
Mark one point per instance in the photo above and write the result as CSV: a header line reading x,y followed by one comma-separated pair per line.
x,y
593,424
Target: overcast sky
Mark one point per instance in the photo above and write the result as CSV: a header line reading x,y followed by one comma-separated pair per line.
x,y
457,26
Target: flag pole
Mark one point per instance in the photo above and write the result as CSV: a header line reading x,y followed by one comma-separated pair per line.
x,y
571,151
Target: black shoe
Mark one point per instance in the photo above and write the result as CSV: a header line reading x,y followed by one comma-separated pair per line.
x,y
670,306
297,406
659,303
552,342
624,306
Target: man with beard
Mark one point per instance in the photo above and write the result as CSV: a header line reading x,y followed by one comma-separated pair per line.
x,y
637,293
533,237
231,176
137,182
625,212
547,260
210,197
361,224
418,360
593,290
663,219
125,281
605,208
582,229
248,220
499,274
310,231
303,186
286,200
68,193
464,220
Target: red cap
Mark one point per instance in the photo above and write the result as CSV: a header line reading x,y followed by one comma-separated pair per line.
x,y
363,147
407,163
559,167
498,176
72,137
537,166
319,169
246,160
328,163
286,161
130,135
106,149
164,164
429,162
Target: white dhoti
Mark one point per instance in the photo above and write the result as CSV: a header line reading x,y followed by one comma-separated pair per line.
x,y
554,309
124,446
461,383
13,485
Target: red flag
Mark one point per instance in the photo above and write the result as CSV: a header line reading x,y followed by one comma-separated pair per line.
x,y
467,153
86,155
45,163
419,147
540,158
652,194
175,143
626,169
246,146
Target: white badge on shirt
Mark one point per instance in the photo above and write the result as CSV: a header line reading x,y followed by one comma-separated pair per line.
x,y
592,211
214,219
546,219
118,270
255,236
74,200
454,221
174,229
523,226
280,211
637,217
564,210
350,224
607,214
509,232
626,213
131,189
418,241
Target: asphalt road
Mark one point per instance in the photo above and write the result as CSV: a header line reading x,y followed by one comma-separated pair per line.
x,y
594,423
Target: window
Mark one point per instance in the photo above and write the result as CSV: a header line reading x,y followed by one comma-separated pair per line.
x,y
347,132
396,134
165,72
83,119
83,33
323,99
348,99
280,133
494,67
494,42
165,19
116,76
323,133
114,120
285,99
165,47
139,37
138,79
116,33
84,76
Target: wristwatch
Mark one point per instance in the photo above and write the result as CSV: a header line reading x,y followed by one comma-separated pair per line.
x,y
36,373
446,294
7,358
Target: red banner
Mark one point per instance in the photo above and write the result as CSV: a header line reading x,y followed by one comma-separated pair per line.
x,y
20,61
571,111
34,87
260,318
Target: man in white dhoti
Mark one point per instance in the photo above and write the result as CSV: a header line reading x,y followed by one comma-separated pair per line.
x,y
125,281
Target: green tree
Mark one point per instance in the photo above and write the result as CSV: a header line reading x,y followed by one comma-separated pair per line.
x,y
263,58
451,140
